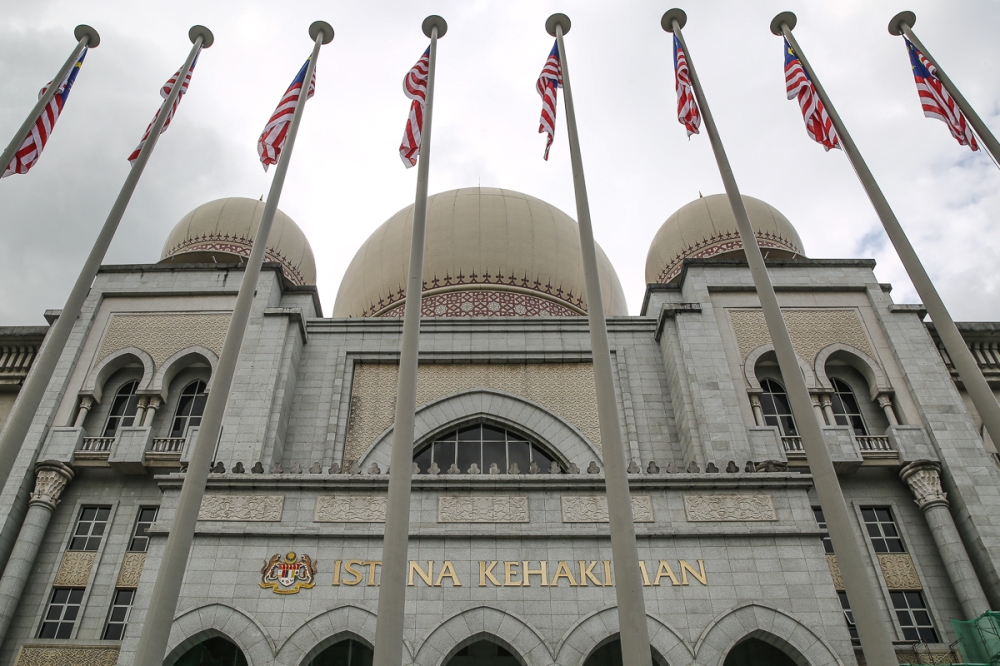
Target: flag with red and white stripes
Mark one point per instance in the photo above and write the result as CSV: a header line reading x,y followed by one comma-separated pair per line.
x,y
31,148
164,93
687,108
415,87
936,101
272,139
549,81
799,85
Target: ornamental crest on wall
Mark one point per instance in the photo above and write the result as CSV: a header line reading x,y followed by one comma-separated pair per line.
x,y
289,574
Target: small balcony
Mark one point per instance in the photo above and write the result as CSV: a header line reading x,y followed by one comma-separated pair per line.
x,y
869,443
792,444
94,449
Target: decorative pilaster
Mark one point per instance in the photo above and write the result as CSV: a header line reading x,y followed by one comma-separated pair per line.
x,y
155,402
86,403
831,418
140,410
51,479
758,415
885,402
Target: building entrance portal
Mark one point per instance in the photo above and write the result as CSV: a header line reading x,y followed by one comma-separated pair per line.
x,y
755,652
483,653
344,653
213,652
610,654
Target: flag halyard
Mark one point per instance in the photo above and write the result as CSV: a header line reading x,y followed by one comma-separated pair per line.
x,y
272,139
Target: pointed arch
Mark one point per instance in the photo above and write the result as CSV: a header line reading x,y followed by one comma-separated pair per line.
x,y
110,364
335,625
218,620
483,623
177,362
578,642
860,361
758,354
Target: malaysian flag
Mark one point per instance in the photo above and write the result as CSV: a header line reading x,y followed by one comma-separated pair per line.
x,y
687,108
31,149
415,87
798,84
548,82
272,139
935,99
164,93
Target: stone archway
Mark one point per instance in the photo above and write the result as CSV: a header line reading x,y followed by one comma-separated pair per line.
x,y
215,651
483,652
348,652
610,654
755,652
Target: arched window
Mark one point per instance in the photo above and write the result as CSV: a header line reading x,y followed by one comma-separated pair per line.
x,y
190,407
216,651
345,653
846,409
777,411
491,449
123,407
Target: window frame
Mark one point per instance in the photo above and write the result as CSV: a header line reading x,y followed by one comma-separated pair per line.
x,y
837,399
111,609
74,534
131,401
511,436
135,528
767,397
909,610
64,605
187,418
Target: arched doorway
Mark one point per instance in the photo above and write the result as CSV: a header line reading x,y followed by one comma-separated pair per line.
x,y
216,651
344,653
755,652
483,653
610,654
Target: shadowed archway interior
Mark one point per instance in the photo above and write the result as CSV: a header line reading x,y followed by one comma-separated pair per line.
x,y
344,653
755,652
483,653
215,651
610,654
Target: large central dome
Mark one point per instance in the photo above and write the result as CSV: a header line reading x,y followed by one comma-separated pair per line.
x,y
488,253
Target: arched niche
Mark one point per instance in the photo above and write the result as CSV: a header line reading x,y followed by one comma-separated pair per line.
x,y
578,645
347,651
857,359
198,624
609,653
757,652
338,624
766,353
467,627
214,651
179,361
99,375
483,650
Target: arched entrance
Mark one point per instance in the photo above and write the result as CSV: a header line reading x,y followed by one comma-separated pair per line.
x,y
216,651
483,653
344,653
755,652
610,654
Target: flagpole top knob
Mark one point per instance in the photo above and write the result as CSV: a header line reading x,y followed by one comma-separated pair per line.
x,y
786,18
207,38
324,27
83,30
675,14
557,19
434,21
896,24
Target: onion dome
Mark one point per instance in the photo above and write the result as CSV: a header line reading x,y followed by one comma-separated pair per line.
x,y
706,227
222,231
488,253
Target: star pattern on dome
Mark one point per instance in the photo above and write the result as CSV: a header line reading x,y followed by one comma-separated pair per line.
x,y
720,244
238,245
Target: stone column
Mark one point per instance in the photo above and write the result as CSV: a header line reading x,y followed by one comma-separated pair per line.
x,y
140,410
154,404
51,479
86,403
885,402
831,418
924,479
758,415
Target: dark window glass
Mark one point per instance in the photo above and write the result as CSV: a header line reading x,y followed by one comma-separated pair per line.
x,y
344,653
518,453
848,614
64,606
121,606
846,410
220,652
484,446
882,529
190,407
146,517
90,527
821,522
911,610
122,414
775,407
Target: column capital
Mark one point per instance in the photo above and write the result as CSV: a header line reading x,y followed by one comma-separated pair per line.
x,y
51,478
825,400
884,400
86,402
155,402
143,401
924,479
755,399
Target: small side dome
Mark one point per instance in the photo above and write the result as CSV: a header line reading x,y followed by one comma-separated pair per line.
x,y
222,231
706,227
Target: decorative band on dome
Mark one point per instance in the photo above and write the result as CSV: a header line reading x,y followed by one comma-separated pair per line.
x,y
720,244
485,303
238,245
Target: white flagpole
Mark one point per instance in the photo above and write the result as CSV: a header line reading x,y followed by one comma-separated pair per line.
x,y
86,37
902,24
392,584
170,575
624,552
34,387
968,370
859,580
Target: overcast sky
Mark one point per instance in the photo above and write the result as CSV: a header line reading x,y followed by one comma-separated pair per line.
x,y
346,177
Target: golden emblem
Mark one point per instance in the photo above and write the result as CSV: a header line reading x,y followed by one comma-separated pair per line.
x,y
288,575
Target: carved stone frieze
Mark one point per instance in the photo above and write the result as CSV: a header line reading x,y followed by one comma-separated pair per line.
x,y
594,509
163,335
74,570
131,571
924,479
349,509
67,655
483,509
810,329
250,508
721,508
566,389
899,572
51,478
838,580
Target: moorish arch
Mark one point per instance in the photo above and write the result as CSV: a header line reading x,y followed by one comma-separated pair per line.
x,y
766,352
481,623
860,361
578,643
196,625
99,375
179,361
339,624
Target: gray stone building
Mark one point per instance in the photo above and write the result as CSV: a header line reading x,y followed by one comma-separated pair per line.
x,y
509,547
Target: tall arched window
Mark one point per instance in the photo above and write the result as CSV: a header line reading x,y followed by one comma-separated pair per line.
x,y
190,407
123,407
846,409
491,449
775,407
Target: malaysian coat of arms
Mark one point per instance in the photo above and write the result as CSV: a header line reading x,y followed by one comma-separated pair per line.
x,y
288,574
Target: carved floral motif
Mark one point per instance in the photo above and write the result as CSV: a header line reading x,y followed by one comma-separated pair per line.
x,y
163,335
349,509
131,571
838,580
720,243
811,330
64,655
719,508
483,509
594,509
898,571
924,479
251,508
74,570
50,481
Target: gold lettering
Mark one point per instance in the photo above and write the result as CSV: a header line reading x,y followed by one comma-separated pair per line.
x,y
665,571
562,571
487,572
588,573
336,572
426,576
645,574
607,572
448,571
509,571
528,573
685,568
371,564
349,568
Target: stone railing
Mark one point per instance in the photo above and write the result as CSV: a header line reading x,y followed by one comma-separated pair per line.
x,y
167,444
873,443
792,443
97,444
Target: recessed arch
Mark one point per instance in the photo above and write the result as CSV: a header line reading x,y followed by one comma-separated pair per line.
x,y
766,352
860,361
578,642
99,375
184,358
335,625
217,620
483,623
